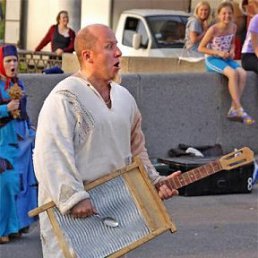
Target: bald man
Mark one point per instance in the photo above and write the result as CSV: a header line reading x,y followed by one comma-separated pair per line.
x,y
88,126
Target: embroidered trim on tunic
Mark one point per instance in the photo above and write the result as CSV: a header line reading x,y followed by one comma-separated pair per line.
x,y
84,118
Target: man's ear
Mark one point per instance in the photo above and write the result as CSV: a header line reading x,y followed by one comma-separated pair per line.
x,y
87,55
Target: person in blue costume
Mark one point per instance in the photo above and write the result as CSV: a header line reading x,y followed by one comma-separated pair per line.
x,y
18,186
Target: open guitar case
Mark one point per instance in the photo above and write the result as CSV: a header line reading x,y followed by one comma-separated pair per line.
x,y
237,180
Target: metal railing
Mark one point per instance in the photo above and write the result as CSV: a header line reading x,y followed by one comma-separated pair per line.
x,y
36,62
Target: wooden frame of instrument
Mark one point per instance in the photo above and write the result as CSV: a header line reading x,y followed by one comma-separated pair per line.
x,y
145,198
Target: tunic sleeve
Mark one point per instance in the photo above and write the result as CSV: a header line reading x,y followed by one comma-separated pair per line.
x,y
54,157
138,148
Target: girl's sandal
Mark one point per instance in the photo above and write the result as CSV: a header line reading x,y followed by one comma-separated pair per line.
x,y
247,120
234,115
240,116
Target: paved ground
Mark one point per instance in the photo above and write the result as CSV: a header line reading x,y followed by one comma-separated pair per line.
x,y
220,226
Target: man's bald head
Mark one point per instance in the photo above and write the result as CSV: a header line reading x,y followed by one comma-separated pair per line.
x,y
87,37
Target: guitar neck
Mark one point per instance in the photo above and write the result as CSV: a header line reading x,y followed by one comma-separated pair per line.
x,y
193,175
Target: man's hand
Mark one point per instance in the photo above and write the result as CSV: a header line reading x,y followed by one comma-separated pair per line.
x,y
83,209
164,191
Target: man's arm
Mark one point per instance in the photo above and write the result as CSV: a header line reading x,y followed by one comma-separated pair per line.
x,y
138,148
54,155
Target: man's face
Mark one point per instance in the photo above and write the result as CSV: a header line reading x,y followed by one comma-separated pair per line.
x,y
106,55
10,65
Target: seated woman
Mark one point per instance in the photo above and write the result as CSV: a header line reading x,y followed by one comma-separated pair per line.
x,y
250,48
196,27
60,36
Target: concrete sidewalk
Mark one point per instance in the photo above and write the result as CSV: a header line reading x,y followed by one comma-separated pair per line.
x,y
219,226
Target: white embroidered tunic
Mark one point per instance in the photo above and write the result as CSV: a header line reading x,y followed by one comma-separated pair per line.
x,y
80,139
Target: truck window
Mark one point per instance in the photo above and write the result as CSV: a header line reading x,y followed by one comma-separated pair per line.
x,y
168,31
134,25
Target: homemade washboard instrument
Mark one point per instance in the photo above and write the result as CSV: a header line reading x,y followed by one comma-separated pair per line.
x,y
128,196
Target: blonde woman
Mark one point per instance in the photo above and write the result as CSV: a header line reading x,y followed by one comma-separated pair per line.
x,y
197,25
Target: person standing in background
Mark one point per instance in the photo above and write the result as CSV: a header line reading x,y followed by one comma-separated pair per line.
x,y
248,7
18,191
250,47
59,35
